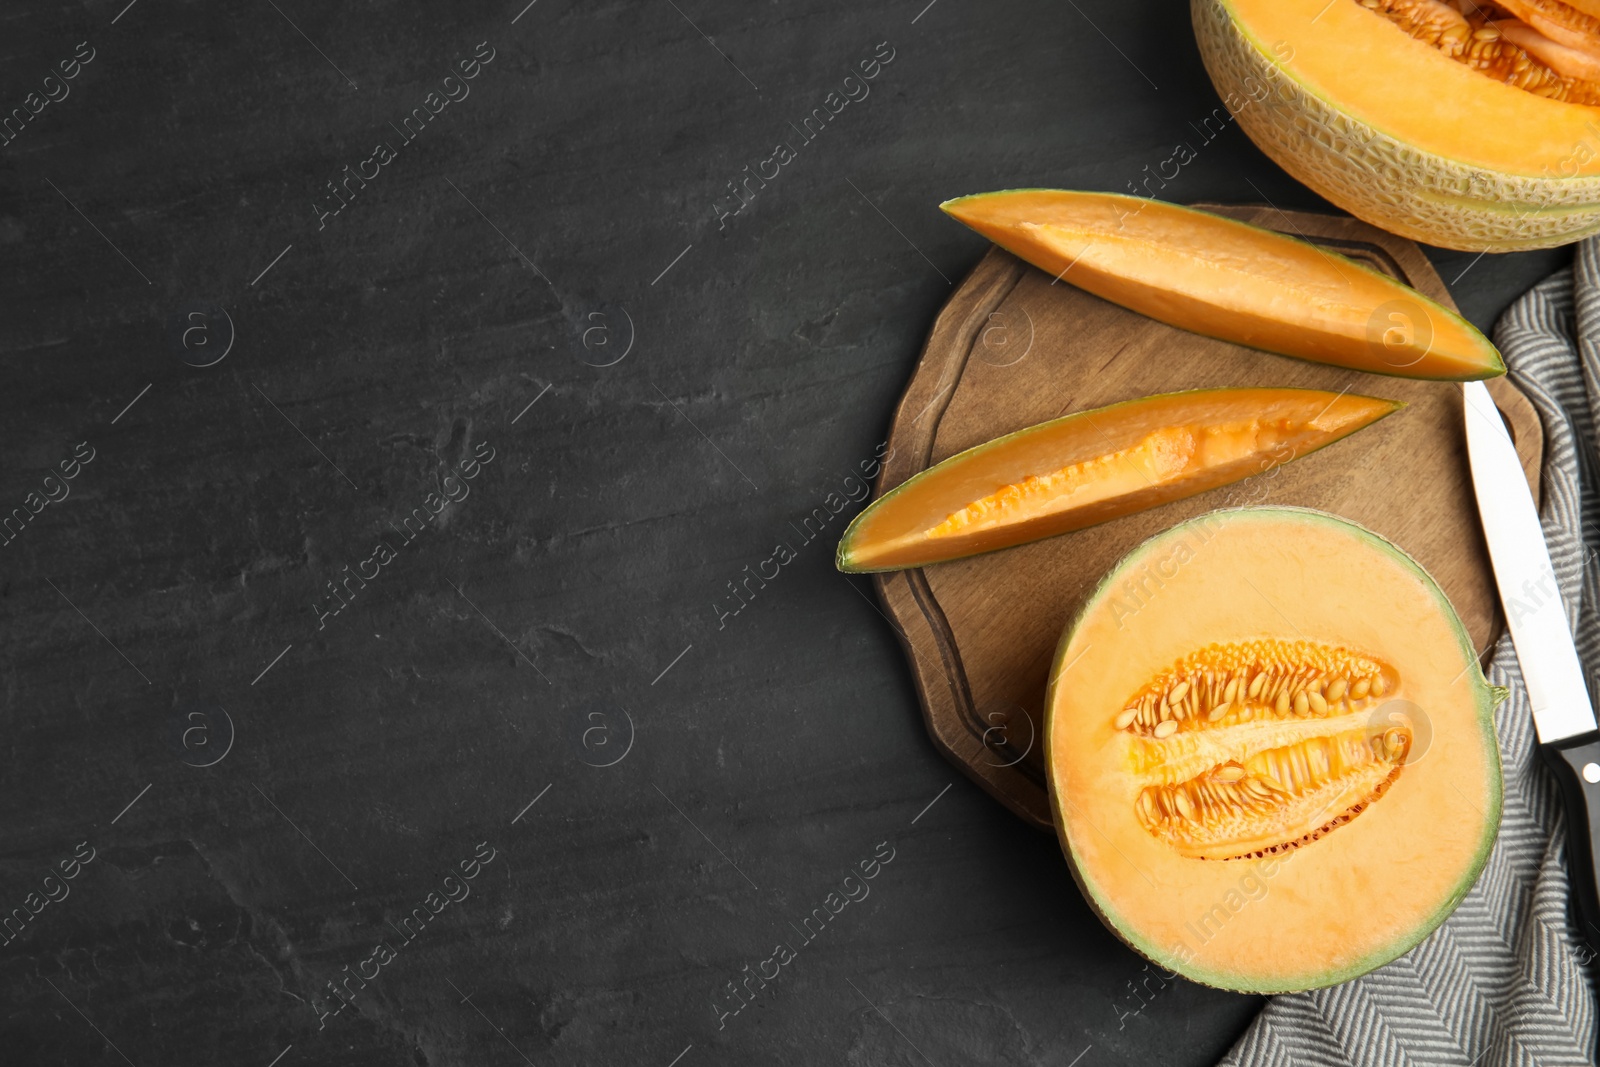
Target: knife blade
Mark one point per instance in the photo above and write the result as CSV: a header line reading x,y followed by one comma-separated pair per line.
x,y
1536,617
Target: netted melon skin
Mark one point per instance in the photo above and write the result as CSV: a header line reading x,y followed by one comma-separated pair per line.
x,y
1393,185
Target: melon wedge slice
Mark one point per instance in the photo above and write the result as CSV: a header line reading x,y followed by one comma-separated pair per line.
x,y
1233,281
1093,466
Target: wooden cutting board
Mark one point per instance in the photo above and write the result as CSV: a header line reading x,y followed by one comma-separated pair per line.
x,y
1012,348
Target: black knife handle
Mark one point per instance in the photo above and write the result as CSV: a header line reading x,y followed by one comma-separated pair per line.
x,y
1577,766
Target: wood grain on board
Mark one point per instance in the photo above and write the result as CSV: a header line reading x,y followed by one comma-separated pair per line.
x,y
1012,347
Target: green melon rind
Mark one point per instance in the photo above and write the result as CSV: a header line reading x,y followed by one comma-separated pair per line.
x,y
1374,175
1493,365
841,559
1488,698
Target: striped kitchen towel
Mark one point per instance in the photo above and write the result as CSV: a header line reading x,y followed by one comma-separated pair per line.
x,y
1504,980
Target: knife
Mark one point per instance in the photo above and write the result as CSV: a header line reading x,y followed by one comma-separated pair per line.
x,y
1536,616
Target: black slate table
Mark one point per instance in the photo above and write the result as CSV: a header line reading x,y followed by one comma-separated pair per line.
x,y
398,399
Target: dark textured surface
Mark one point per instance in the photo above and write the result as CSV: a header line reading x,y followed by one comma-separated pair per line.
x,y
504,651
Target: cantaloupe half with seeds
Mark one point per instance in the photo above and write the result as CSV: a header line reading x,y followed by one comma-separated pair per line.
x,y
1271,751
1471,131
1228,279
1093,466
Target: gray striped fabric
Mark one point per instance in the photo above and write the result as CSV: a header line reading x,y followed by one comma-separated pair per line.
x,y
1504,980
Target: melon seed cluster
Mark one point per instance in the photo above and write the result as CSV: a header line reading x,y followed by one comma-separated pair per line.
x,y
1276,800
1158,457
1224,684
1544,47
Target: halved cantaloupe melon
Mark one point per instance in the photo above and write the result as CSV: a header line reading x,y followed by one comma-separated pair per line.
x,y
1228,279
1431,124
1093,466
1271,750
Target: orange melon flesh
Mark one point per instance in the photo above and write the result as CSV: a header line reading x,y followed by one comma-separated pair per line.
x,y
1094,466
1233,281
1342,52
1403,115
1289,832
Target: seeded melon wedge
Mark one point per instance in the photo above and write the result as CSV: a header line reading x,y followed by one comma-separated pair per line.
x,y
1228,279
1271,751
1094,466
